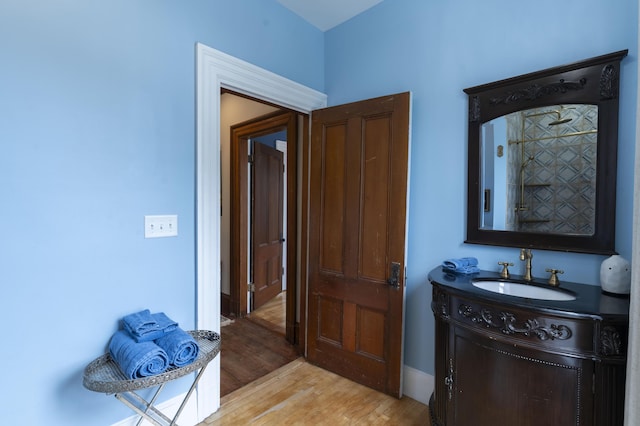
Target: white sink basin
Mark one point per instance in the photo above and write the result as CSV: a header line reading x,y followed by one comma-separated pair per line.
x,y
524,290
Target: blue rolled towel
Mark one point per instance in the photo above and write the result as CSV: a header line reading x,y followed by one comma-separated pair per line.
x,y
180,346
463,265
144,326
137,360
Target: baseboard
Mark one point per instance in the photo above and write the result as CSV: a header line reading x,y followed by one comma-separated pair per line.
x,y
417,385
189,415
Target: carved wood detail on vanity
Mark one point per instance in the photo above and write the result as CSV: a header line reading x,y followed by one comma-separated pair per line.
x,y
501,359
610,341
507,323
440,303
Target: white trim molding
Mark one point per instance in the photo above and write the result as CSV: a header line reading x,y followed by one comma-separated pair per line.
x,y
417,384
217,70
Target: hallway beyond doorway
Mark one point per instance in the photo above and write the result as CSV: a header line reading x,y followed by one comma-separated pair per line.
x,y
254,346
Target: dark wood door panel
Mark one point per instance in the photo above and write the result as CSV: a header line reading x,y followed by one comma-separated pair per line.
x,y
350,290
375,213
333,174
267,223
367,370
268,267
358,183
352,327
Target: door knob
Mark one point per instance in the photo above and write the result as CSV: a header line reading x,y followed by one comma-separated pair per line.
x,y
394,279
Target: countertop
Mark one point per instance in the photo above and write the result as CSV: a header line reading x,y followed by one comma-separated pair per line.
x,y
590,301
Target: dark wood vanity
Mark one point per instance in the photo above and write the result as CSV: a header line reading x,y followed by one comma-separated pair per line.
x,y
505,360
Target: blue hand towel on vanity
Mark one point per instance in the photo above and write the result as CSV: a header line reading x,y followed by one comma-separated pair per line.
x,y
180,346
462,265
144,326
137,360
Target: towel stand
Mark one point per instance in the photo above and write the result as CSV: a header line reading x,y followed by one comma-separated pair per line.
x,y
104,375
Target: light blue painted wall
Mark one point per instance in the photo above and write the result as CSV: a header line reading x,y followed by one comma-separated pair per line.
x,y
97,129
437,48
97,119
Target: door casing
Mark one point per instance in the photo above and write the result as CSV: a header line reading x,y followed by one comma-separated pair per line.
x,y
240,135
216,70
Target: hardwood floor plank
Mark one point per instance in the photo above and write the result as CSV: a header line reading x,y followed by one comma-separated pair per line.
x,y
249,351
296,393
302,394
272,314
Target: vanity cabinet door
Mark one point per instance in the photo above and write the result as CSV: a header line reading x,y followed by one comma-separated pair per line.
x,y
501,384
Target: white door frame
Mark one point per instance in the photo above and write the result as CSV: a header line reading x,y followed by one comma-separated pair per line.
x,y
217,70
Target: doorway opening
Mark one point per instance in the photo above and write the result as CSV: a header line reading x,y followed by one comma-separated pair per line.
x,y
215,71
259,200
259,205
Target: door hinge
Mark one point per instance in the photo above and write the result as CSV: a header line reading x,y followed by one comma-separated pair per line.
x,y
252,287
250,159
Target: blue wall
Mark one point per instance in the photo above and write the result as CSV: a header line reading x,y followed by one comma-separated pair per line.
x,y
437,48
97,128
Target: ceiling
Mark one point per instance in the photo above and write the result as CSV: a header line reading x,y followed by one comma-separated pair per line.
x,y
326,14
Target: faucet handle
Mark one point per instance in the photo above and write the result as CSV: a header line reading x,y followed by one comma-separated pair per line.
x,y
505,269
553,279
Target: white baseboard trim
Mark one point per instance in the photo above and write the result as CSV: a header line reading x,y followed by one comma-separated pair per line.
x,y
189,415
417,385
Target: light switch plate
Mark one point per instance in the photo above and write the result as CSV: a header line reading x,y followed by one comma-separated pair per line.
x,y
160,226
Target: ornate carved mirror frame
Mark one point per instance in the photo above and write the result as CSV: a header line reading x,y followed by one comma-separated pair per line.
x,y
593,81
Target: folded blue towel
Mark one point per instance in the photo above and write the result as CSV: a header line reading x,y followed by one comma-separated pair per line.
x,y
460,262
140,322
144,326
463,265
167,325
137,360
465,270
180,346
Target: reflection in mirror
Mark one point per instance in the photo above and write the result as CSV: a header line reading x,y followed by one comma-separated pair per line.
x,y
542,158
538,170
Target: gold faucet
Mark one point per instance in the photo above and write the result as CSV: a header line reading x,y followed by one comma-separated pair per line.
x,y
526,255
553,279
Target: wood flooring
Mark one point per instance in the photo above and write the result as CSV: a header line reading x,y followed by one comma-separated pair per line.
x,y
272,314
264,382
302,394
249,351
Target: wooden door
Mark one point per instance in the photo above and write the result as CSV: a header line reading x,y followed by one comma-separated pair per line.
x,y
357,220
267,197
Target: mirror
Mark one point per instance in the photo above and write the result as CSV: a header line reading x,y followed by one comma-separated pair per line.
x,y
542,158
538,170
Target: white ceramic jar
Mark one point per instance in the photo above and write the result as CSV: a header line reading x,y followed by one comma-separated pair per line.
x,y
615,275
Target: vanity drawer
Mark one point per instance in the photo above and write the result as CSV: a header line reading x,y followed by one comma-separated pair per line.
x,y
515,326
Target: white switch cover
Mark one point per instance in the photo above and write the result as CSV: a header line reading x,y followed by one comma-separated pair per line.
x,y
160,226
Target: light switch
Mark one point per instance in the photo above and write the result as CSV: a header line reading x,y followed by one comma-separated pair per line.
x,y
160,226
